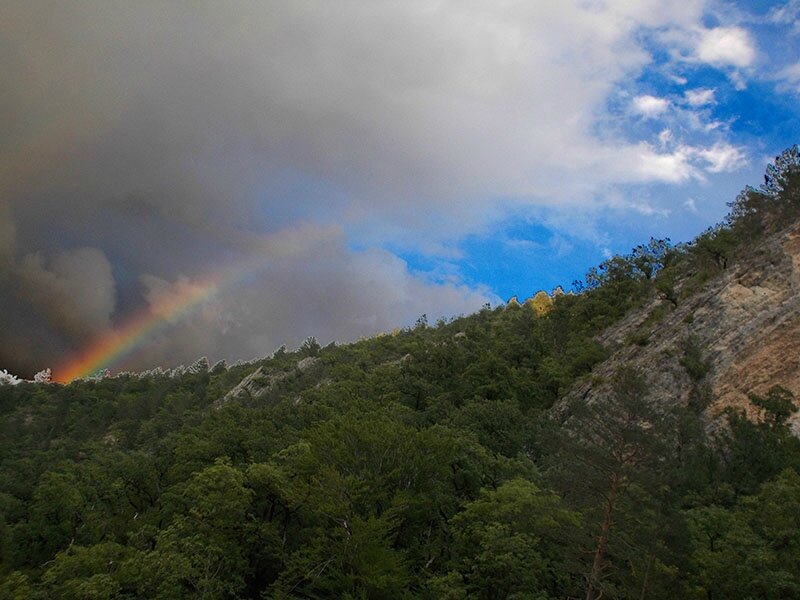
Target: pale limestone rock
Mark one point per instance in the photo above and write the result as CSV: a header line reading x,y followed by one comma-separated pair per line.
x,y
746,320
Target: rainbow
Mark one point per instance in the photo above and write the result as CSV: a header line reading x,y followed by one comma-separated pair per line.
x,y
126,337
113,345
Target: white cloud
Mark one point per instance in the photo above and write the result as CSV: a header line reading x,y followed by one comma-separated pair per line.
x,y
787,14
691,205
789,78
792,72
650,106
700,96
558,245
726,46
687,162
671,167
646,208
722,158
699,121
738,80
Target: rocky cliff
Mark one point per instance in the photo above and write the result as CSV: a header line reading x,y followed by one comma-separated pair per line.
x,y
740,333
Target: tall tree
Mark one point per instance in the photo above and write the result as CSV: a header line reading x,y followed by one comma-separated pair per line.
x,y
611,452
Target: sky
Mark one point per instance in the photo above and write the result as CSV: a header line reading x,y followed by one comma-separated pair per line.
x,y
220,179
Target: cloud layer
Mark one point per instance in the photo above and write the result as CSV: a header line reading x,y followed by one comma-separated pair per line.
x,y
148,143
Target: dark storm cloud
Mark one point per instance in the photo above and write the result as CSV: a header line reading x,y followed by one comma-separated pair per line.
x,y
48,304
142,142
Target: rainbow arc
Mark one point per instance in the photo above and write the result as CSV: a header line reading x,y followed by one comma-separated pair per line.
x,y
132,333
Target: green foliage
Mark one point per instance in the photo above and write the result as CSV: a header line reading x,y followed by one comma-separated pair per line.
x,y
692,360
87,572
310,347
609,464
714,249
774,204
758,450
507,544
15,586
776,407
648,259
435,462
751,550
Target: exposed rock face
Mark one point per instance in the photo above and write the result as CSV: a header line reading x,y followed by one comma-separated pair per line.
x,y
746,322
260,383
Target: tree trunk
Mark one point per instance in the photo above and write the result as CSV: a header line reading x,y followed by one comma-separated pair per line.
x,y
650,562
600,551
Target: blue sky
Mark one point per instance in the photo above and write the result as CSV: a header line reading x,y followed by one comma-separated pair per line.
x,y
739,92
378,160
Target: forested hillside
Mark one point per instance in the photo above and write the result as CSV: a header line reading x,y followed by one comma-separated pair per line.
x,y
490,456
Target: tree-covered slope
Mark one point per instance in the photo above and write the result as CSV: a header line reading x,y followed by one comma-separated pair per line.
x,y
494,455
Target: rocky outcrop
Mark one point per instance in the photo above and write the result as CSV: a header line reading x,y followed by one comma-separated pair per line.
x,y
260,383
745,325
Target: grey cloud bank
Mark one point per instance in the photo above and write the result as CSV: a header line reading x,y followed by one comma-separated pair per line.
x,y
144,142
